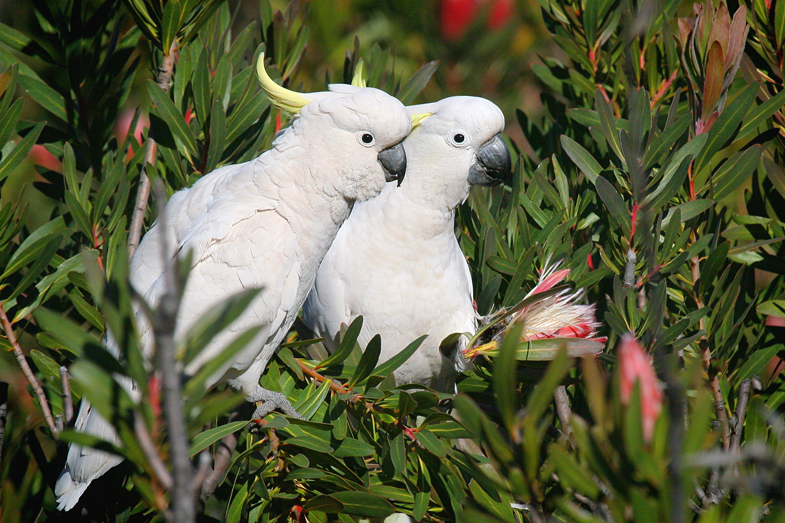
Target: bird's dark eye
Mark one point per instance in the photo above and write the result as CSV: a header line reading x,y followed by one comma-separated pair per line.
x,y
367,138
459,138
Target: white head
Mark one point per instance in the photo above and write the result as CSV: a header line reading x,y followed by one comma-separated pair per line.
x,y
457,145
358,131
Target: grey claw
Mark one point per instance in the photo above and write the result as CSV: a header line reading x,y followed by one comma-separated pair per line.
x,y
271,400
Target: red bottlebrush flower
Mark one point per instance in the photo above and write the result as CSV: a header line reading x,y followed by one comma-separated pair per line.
x,y
455,17
635,366
500,14
557,316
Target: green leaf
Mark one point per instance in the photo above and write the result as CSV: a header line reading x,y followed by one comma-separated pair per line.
x,y
755,362
32,246
86,310
761,114
772,308
389,366
217,138
44,96
200,84
608,124
104,393
308,405
582,158
217,319
8,121
310,442
323,503
368,361
351,447
504,382
667,139
417,82
571,474
779,24
347,344
734,172
198,382
364,504
204,439
170,24
614,203
166,109
19,152
726,125
543,394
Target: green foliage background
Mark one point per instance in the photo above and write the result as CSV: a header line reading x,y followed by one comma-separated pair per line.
x,y
651,164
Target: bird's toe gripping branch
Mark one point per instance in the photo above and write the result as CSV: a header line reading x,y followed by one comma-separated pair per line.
x,y
267,401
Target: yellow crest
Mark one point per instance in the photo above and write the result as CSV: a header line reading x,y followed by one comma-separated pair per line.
x,y
281,97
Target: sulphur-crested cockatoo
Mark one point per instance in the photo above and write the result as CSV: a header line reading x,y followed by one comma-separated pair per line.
x,y
263,224
396,260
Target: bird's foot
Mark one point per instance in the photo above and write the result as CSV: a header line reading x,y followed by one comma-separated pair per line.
x,y
267,401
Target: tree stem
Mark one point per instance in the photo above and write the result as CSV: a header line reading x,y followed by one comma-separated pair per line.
x,y
27,371
150,152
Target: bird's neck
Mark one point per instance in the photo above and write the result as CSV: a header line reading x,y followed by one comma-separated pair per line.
x,y
306,199
405,212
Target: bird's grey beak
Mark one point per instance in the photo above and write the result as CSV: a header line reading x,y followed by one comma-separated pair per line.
x,y
493,163
393,160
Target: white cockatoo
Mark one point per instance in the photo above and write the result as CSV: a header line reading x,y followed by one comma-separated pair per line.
x,y
263,224
396,260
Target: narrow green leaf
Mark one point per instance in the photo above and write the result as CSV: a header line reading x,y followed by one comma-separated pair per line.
x,y
772,308
734,172
389,366
165,108
204,439
9,120
347,344
217,137
200,84
582,158
368,361
44,96
761,114
19,152
755,362
504,382
170,23
779,24
726,125
417,82
614,203
364,504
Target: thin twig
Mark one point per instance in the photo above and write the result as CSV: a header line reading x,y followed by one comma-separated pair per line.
x,y
741,413
3,412
150,152
68,401
31,379
334,385
563,410
151,453
164,320
221,462
714,380
201,471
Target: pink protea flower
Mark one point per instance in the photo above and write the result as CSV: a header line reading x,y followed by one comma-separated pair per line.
x,y
635,366
557,316
554,317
